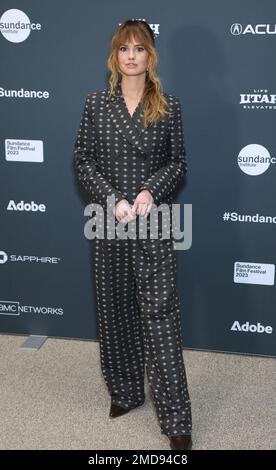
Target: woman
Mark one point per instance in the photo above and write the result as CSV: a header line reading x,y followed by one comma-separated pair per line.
x,y
130,147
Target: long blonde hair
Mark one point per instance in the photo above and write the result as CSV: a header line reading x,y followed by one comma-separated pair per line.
x,y
153,101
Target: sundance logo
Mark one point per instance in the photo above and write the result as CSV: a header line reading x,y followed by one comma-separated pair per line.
x,y
25,206
16,26
246,327
237,29
254,159
22,93
24,150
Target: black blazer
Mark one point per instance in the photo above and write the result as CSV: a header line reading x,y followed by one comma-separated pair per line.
x,y
115,154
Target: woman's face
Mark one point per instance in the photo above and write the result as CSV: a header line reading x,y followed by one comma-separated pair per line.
x,y
132,58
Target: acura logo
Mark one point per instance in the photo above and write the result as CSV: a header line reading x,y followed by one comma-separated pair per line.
x,y
236,29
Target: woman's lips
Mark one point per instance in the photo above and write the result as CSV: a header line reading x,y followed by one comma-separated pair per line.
x,y
131,65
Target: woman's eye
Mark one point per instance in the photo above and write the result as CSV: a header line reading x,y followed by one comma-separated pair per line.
x,y
140,48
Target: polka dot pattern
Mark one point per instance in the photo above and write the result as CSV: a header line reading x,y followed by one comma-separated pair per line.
x,y
138,308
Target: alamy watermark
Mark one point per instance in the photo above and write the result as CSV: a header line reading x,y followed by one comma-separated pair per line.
x,y
102,224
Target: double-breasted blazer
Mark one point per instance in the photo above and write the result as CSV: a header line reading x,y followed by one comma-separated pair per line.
x,y
115,155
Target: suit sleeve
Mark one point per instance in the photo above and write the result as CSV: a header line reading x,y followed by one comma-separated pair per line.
x,y
167,178
85,160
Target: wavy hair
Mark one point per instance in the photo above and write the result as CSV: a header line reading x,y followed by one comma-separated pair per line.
x,y
153,101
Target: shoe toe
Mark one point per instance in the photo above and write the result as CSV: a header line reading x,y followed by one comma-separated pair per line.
x,y
181,442
116,410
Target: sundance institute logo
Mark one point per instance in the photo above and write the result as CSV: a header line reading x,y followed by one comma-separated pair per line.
x,y
163,222
16,26
255,159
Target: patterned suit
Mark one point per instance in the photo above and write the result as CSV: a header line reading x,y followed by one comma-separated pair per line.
x,y
137,301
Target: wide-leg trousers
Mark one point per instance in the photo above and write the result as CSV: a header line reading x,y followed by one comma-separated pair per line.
x,y
139,324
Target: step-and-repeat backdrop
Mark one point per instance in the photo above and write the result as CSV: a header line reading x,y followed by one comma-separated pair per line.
x,y
218,57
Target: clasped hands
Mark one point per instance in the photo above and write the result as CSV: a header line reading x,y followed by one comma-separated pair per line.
x,y
142,206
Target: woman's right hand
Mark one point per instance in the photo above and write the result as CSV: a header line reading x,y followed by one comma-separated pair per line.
x,y
122,211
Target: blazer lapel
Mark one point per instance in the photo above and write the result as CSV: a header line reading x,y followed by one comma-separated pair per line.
x,y
131,128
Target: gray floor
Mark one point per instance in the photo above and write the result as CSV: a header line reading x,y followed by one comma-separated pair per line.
x,y
55,398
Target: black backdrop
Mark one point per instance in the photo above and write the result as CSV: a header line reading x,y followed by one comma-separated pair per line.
x,y
218,57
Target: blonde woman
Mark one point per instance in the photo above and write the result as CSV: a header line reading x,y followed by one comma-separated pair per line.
x,y
130,146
